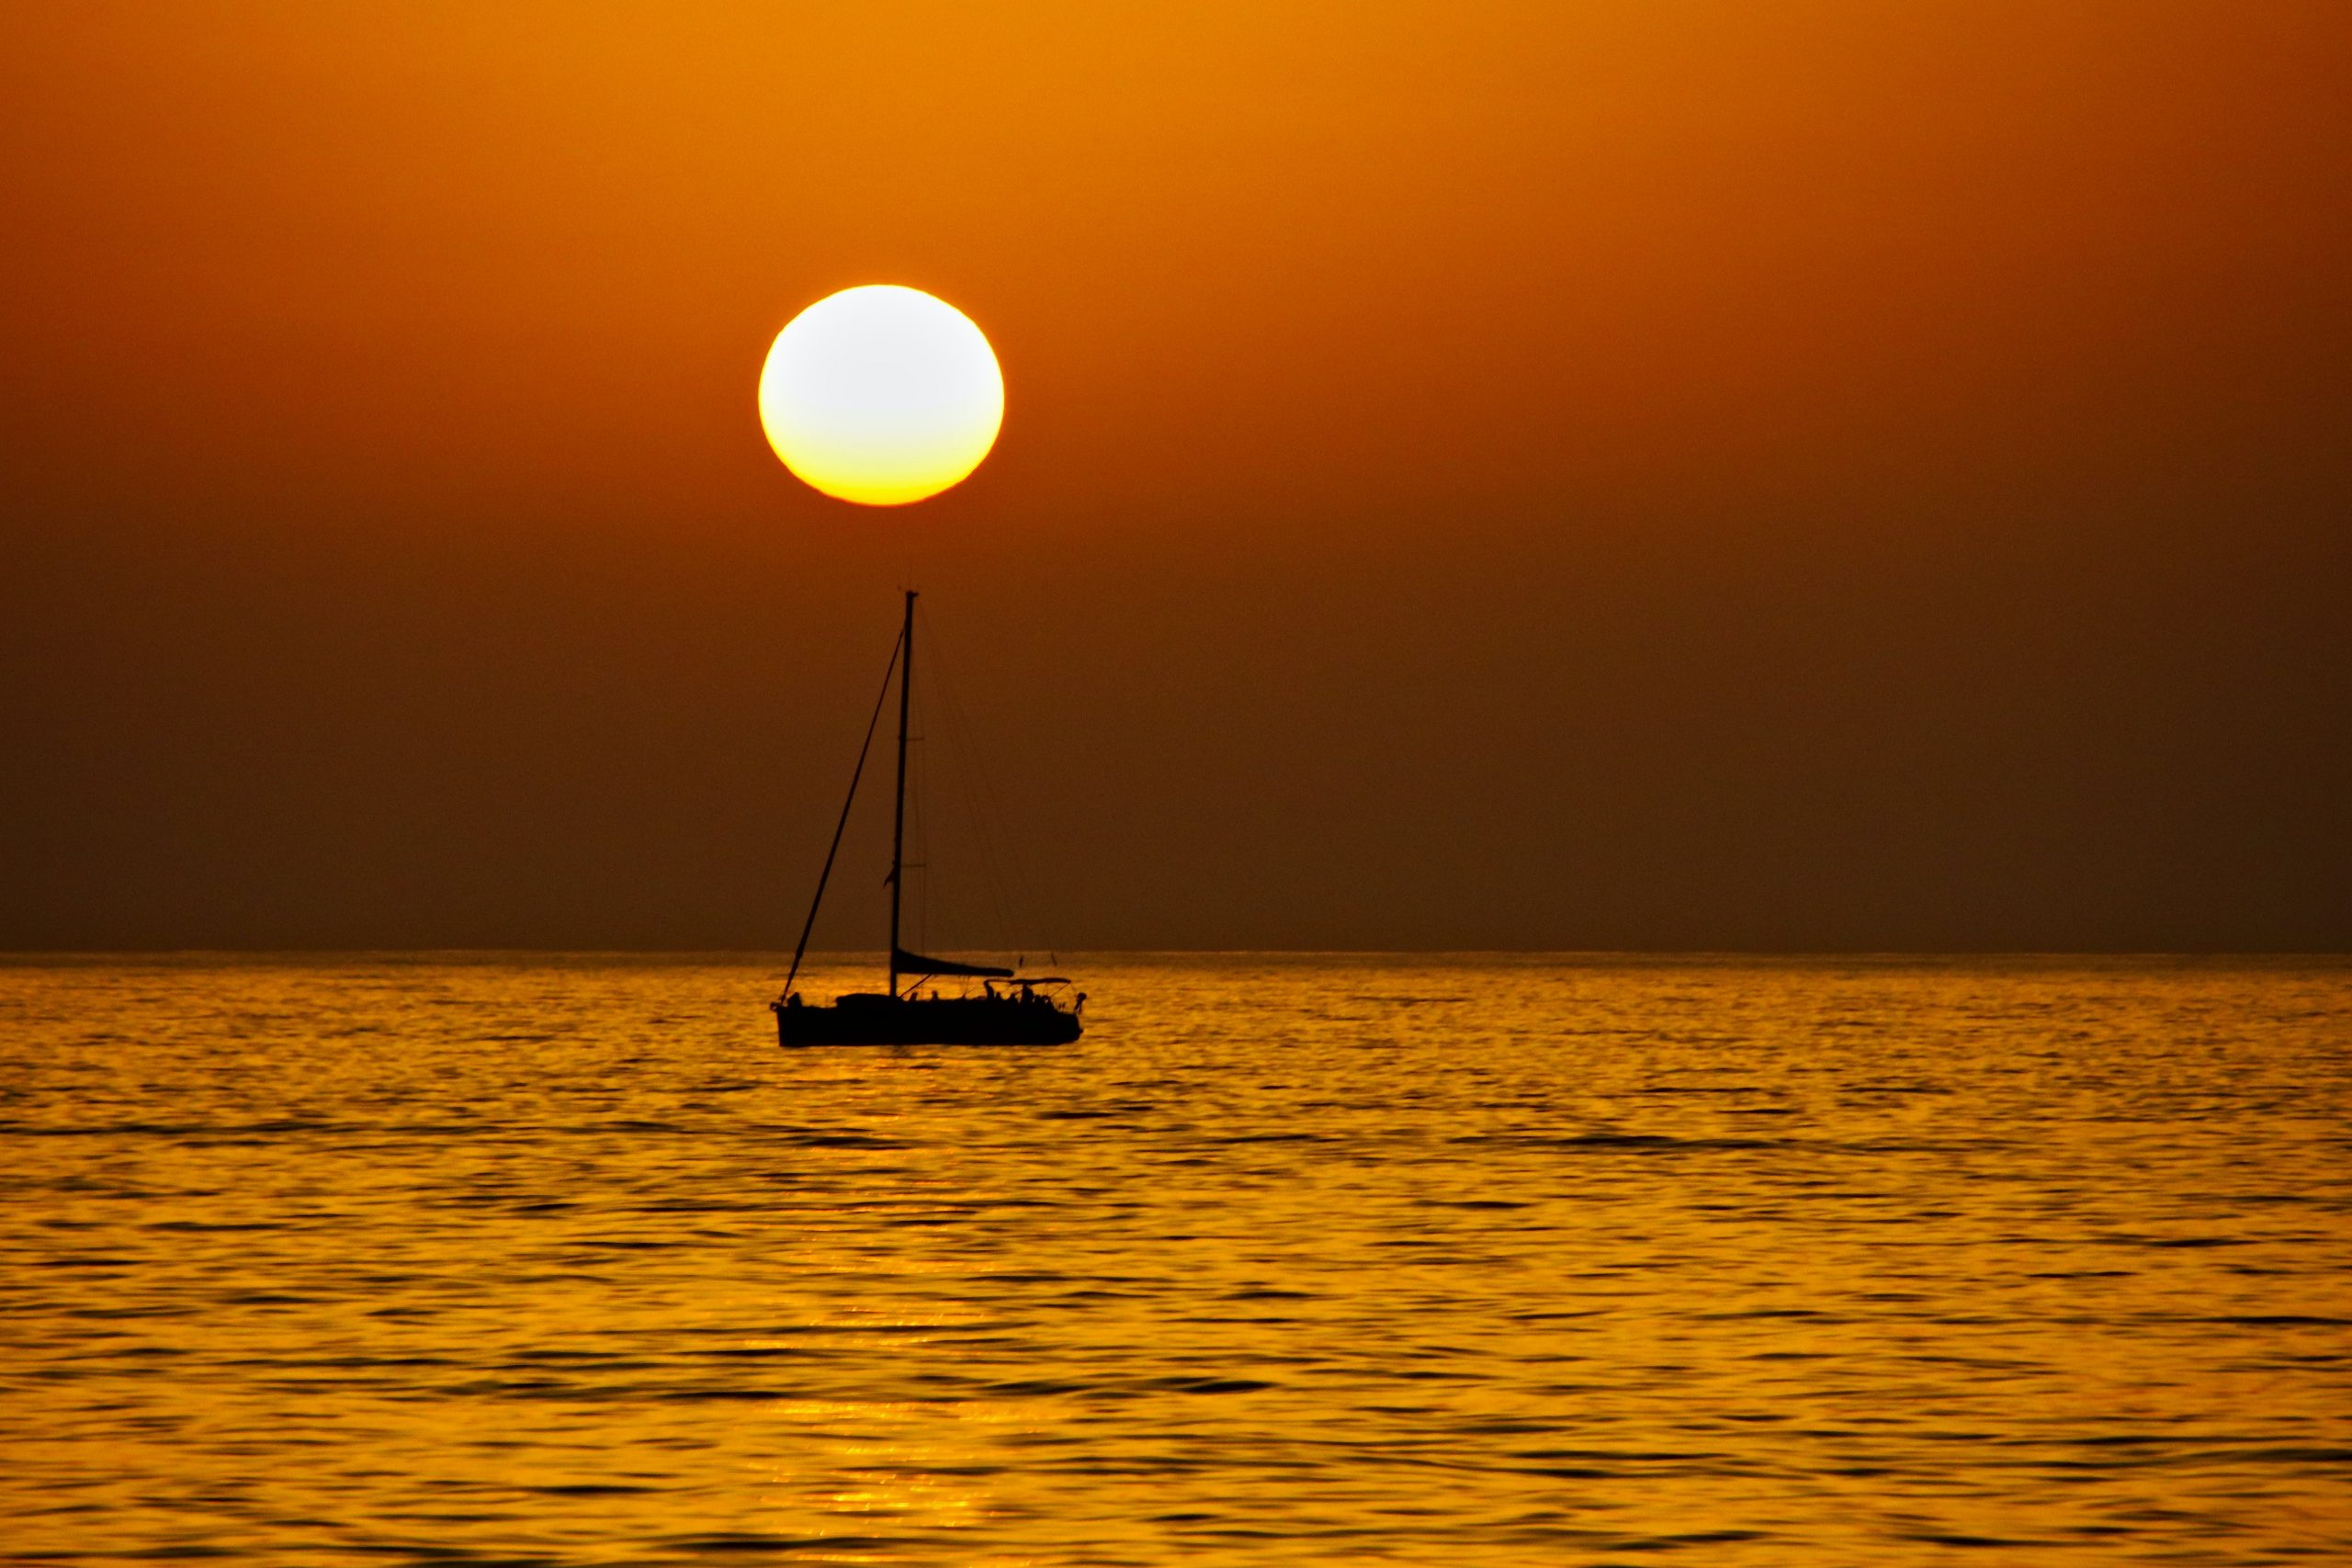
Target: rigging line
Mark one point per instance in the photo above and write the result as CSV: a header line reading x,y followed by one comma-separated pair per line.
x,y
987,829
996,832
959,766
801,950
919,816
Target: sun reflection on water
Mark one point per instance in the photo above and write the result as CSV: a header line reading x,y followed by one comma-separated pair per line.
x,y
1492,1260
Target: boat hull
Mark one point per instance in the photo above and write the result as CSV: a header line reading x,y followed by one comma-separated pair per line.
x,y
958,1020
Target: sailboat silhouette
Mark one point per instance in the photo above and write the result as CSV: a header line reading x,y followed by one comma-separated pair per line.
x,y
1021,1011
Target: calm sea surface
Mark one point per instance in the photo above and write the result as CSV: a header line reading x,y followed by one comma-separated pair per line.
x,y
1429,1260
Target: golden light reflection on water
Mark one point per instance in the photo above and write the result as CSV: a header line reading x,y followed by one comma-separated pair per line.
x,y
1493,1261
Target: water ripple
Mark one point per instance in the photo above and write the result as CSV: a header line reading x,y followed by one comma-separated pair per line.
x,y
1510,1261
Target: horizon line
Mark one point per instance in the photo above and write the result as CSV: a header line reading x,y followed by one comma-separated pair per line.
x,y
876,955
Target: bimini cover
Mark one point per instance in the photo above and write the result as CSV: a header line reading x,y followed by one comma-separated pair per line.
x,y
907,962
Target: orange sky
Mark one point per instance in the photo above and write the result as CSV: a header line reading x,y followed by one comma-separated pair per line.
x,y
1817,475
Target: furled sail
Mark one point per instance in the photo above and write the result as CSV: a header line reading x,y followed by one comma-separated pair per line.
x,y
907,962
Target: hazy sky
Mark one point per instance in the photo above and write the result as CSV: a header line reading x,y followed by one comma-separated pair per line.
x,y
1554,475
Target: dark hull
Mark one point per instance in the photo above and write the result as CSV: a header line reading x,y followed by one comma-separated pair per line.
x,y
948,1022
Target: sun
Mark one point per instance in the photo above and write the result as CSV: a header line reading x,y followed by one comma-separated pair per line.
x,y
881,395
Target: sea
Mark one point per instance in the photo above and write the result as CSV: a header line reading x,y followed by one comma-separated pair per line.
x,y
1520,1260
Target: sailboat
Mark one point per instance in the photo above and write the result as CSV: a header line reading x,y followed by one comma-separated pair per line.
x,y
1008,1008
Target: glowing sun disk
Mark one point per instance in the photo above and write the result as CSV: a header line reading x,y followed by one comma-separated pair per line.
x,y
881,395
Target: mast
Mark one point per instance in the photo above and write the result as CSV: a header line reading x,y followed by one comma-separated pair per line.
x,y
899,812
